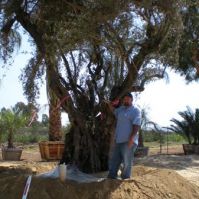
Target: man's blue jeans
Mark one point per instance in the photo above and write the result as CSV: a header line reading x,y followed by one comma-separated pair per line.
x,y
121,154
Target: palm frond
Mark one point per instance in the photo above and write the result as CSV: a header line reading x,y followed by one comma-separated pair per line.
x,y
189,126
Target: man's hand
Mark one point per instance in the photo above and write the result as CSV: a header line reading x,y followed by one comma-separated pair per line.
x,y
130,142
134,132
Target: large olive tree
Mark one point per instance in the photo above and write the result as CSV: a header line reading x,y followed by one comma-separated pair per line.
x,y
94,51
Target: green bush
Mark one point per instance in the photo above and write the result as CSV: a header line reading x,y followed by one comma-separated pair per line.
x,y
174,137
152,136
30,138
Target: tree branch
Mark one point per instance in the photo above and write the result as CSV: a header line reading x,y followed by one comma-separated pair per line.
x,y
6,28
75,67
24,19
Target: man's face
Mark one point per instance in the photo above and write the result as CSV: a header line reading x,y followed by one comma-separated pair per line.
x,y
127,101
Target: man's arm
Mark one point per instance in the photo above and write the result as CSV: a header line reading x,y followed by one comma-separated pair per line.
x,y
134,132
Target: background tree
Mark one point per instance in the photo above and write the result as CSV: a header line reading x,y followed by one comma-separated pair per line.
x,y
188,126
29,110
88,48
189,42
45,120
11,120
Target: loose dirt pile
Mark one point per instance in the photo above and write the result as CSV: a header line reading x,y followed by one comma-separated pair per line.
x,y
185,165
147,183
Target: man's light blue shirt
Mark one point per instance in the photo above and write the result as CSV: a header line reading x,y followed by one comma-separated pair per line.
x,y
126,118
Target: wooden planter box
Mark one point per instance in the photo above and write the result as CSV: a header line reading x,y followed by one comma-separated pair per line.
x,y
12,154
51,150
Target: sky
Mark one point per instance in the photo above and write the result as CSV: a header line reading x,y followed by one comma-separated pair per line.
x,y
162,100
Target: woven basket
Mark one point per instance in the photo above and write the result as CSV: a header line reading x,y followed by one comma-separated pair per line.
x,y
51,150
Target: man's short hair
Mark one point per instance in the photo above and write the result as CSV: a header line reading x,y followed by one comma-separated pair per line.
x,y
128,95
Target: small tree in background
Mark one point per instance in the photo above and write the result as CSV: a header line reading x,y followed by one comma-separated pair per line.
x,y
188,127
11,120
45,120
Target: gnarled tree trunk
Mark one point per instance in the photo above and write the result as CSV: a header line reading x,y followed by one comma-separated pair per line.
x,y
87,145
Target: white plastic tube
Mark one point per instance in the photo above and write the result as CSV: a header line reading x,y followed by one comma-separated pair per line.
x,y
26,189
62,172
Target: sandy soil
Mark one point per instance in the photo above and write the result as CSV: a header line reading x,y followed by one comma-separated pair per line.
x,y
185,165
155,176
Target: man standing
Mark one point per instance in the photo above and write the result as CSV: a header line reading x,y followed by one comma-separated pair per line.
x,y
126,138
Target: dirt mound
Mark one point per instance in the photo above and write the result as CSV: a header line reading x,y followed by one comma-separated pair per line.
x,y
25,167
147,183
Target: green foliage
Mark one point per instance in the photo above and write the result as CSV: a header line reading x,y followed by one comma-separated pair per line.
x,y
116,40
174,137
45,120
189,42
11,120
32,138
152,136
30,134
188,126
27,110
26,136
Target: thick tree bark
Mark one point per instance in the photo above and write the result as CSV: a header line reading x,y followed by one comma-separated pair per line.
x,y
88,145
54,121
55,133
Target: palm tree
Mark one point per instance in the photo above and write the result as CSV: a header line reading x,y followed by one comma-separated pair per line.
x,y
189,126
54,113
10,121
54,118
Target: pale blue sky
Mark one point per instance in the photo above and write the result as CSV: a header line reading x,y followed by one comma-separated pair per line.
x,y
163,99
166,99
